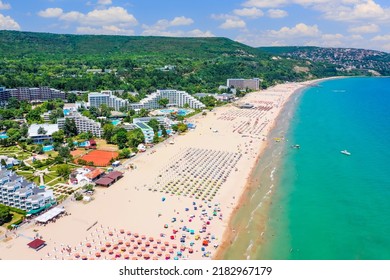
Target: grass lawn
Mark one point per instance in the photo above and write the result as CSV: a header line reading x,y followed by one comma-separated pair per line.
x,y
50,177
15,217
56,181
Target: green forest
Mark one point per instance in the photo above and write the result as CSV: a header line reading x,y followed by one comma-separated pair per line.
x,y
135,63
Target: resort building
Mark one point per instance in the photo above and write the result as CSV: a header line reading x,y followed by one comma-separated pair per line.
x,y
96,99
4,96
42,132
147,131
36,94
15,191
164,121
83,124
253,84
176,99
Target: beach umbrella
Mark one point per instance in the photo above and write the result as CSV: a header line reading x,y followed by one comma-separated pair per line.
x,y
111,252
190,250
134,258
123,249
136,235
77,255
167,256
120,242
172,237
151,239
135,247
139,254
84,258
143,249
128,233
122,231
151,251
126,256
192,243
159,253
102,249
127,244
175,258
139,241
98,255
163,199
115,246
155,246
143,237
108,244
110,233
163,248
88,245
118,255
147,243
146,256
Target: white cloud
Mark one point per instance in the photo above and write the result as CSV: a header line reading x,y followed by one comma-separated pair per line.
x,y
355,10
386,47
265,3
277,13
104,30
51,13
105,2
8,23
299,30
233,23
369,28
181,21
249,12
164,24
381,38
177,33
111,16
4,6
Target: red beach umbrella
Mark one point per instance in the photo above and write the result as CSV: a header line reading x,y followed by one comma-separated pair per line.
x,y
122,231
128,233
98,255
126,256
163,248
167,256
146,256
88,245
127,244
77,255
134,258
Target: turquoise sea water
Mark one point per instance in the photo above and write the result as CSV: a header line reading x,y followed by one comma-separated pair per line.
x,y
314,202
329,205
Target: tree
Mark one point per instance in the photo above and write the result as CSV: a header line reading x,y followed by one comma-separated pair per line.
x,y
41,130
105,111
209,101
5,214
3,162
13,135
64,152
34,116
108,131
58,136
143,113
70,128
155,138
163,102
63,170
135,137
163,131
153,123
71,97
181,127
124,153
70,143
186,105
121,138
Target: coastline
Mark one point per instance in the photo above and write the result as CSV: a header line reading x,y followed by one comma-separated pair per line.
x,y
225,133
231,233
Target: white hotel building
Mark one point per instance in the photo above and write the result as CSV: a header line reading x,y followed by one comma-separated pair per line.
x,y
83,124
176,98
15,191
253,84
95,99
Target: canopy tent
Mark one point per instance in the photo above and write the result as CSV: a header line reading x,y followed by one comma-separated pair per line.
x,y
52,213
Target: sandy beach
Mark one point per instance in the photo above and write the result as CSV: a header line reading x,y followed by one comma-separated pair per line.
x,y
176,203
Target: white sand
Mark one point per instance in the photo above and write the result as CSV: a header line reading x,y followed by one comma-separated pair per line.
x,y
130,205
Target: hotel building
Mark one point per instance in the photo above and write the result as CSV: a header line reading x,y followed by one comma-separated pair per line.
x,y
96,99
35,94
15,191
176,98
253,84
83,124
39,138
147,131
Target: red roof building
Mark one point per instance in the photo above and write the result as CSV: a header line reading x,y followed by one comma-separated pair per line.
x,y
115,175
105,182
37,244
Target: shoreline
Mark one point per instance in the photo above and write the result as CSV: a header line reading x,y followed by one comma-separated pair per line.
x,y
218,157
231,233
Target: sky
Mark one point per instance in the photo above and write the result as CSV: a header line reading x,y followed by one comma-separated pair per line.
x,y
324,23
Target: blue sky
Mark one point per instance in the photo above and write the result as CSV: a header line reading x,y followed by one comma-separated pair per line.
x,y
330,23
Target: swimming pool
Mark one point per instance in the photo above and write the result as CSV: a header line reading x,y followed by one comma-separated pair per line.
x,y
66,112
3,136
179,112
84,144
48,148
116,122
169,131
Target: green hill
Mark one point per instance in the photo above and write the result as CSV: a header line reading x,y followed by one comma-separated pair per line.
x,y
135,63
346,59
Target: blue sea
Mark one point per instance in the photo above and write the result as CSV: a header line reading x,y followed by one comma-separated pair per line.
x,y
315,202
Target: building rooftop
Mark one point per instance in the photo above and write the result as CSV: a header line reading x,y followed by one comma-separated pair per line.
x,y
105,181
49,128
143,126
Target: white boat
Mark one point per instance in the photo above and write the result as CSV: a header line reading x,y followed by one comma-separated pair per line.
x,y
345,152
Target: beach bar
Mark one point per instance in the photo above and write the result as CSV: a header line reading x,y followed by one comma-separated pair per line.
x,y
37,244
